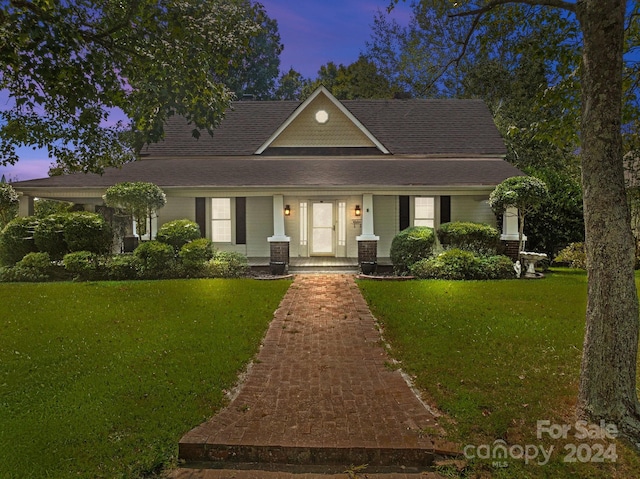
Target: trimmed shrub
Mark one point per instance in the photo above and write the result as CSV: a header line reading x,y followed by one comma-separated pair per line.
x,y
48,235
157,259
195,254
573,255
83,265
86,231
410,246
33,267
457,264
9,203
123,267
16,240
227,264
451,264
178,233
478,238
497,267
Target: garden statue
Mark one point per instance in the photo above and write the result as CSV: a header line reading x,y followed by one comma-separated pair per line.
x,y
518,269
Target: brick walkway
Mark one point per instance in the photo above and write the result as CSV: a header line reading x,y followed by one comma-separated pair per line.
x,y
320,392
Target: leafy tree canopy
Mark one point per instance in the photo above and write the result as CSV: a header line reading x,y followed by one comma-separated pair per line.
x,y
256,72
360,79
139,199
67,64
522,192
9,204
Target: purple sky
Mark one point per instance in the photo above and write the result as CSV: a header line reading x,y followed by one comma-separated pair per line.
x,y
313,33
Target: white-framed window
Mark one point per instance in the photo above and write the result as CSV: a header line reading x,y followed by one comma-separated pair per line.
x,y
424,211
221,220
304,233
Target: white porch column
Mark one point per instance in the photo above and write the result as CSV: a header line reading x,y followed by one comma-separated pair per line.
x,y
25,207
278,220
510,225
367,219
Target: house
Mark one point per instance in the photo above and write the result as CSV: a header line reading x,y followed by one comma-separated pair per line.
x,y
322,177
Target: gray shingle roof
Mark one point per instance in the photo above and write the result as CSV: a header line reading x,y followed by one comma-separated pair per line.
x,y
404,127
432,143
266,172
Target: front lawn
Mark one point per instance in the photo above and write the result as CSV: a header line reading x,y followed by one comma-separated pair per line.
x,y
496,357
100,380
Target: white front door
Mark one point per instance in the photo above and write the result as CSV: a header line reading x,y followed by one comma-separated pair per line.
x,y
322,229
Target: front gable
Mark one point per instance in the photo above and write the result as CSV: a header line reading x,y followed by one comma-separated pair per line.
x,y
322,122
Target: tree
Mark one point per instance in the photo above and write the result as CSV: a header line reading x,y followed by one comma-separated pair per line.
x,y
607,389
360,79
559,220
9,204
139,199
522,192
66,65
255,73
290,86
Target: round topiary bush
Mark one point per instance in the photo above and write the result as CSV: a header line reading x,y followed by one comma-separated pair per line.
x,y
86,231
410,246
195,254
178,233
16,240
479,238
48,235
157,259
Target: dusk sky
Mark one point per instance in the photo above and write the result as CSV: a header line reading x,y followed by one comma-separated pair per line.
x,y
313,33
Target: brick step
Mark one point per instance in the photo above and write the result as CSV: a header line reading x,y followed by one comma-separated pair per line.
x,y
308,456
247,471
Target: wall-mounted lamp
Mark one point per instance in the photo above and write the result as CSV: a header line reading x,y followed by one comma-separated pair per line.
x,y
287,210
358,210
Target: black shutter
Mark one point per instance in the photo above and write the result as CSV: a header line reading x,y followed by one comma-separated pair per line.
x,y
201,216
445,209
405,215
241,220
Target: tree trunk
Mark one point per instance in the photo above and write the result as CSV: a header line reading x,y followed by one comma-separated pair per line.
x,y
608,370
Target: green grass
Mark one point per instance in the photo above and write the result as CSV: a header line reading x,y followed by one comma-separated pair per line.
x,y
100,380
495,357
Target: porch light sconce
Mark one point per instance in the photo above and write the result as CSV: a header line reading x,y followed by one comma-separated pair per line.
x,y
287,210
358,210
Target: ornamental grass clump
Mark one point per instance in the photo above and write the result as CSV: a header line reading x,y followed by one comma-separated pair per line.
x,y
410,246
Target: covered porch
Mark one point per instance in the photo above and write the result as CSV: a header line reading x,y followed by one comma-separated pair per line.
x,y
320,264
